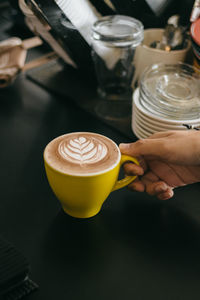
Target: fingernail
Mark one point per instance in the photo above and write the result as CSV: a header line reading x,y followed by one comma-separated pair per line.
x,y
160,188
123,146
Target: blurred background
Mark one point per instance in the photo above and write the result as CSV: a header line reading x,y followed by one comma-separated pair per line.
x,y
152,13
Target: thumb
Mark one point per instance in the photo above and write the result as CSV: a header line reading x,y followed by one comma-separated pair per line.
x,y
142,147
131,150
124,148
127,149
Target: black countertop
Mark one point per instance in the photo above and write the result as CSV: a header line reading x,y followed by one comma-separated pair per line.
x,y
137,247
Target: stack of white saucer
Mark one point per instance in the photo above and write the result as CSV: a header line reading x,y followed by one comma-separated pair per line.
x,y
145,123
168,98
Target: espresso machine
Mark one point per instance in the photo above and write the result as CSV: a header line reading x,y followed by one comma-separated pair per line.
x,y
65,24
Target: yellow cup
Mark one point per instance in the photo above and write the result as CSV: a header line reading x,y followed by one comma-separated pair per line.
x,y
83,196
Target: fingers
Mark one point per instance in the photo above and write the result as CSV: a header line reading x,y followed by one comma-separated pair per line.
x,y
137,185
166,195
158,188
132,169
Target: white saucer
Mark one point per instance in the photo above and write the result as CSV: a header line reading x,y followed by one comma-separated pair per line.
x,y
153,126
159,119
138,133
157,124
144,123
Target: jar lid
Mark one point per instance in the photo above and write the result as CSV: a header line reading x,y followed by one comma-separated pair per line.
x,y
195,31
118,29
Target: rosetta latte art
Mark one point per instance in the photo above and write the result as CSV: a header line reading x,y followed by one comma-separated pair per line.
x,y
83,150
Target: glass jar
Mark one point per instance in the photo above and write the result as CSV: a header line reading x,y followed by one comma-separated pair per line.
x,y
114,40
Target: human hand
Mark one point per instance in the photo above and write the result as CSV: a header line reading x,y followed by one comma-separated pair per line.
x,y
167,160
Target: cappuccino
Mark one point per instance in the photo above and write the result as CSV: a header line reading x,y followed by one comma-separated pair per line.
x,y
82,153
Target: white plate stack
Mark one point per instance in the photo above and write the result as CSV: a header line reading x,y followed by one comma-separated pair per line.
x,y
145,123
168,98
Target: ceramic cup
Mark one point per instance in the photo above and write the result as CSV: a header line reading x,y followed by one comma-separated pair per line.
x,y
146,56
82,195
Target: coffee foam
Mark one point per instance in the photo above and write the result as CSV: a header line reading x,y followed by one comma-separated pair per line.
x,y
82,153
83,150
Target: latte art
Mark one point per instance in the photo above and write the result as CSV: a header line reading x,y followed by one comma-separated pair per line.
x,y
83,150
82,153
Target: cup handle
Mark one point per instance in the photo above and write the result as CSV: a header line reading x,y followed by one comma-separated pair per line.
x,y
128,179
